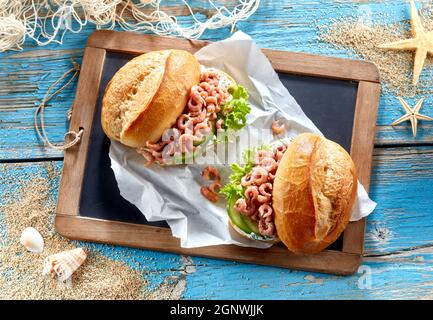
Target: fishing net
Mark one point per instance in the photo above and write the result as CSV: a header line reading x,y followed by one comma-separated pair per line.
x,y
47,21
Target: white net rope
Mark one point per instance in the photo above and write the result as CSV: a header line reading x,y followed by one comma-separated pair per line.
x,y
47,21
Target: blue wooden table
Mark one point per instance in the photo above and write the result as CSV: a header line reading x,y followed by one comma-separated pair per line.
x,y
399,239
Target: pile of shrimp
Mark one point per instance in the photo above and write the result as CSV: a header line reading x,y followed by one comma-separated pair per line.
x,y
257,204
193,124
211,192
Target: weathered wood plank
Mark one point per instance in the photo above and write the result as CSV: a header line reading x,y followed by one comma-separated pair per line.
x,y
284,25
402,184
398,244
402,276
401,180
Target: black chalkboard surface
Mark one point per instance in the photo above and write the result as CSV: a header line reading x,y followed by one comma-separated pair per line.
x,y
330,104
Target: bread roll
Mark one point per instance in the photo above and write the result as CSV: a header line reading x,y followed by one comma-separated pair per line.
x,y
146,96
314,193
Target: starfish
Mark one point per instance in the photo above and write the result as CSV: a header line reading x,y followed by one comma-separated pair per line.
x,y
412,114
421,43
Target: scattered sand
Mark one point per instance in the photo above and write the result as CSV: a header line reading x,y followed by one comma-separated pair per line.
x,y
395,67
21,271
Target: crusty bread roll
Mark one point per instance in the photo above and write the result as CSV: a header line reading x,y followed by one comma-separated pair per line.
x,y
314,193
147,94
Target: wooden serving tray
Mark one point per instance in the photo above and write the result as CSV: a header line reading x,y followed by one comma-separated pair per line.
x,y
340,96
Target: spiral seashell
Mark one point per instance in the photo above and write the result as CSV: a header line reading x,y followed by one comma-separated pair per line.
x,y
63,264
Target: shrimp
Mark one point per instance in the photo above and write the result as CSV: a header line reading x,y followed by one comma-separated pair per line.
x,y
210,108
194,107
266,189
168,151
247,180
211,173
262,154
271,176
259,175
266,212
222,94
197,117
171,134
217,109
215,81
219,125
155,146
186,142
204,94
215,186
211,100
240,205
183,121
201,130
244,208
263,199
266,228
265,192
277,127
209,76
195,102
205,85
202,108
212,116
269,164
209,194
279,152
282,148
147,155
211,88
156,154
251,193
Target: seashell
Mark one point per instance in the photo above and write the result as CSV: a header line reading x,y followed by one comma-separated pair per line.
x,y
63,264
32,240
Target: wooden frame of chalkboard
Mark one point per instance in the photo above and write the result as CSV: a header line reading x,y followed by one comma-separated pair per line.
x,y
69,222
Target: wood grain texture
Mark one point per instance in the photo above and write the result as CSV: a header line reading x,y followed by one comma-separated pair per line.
x,y
399,233
160,239
361,151
75,157
283,25
402,184
396,271
297,63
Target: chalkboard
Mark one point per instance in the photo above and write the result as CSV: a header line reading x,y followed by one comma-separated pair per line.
x,y
329,103
339,95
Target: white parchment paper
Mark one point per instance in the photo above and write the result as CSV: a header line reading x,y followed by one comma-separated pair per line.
x,y
173,193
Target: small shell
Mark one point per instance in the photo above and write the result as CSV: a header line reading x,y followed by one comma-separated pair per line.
x,y
63,264
32,240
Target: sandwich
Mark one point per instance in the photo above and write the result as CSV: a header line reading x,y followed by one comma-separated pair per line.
x,y
300,193
168,107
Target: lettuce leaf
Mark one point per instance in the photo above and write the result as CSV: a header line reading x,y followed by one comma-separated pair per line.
x,y
233,189
234,112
